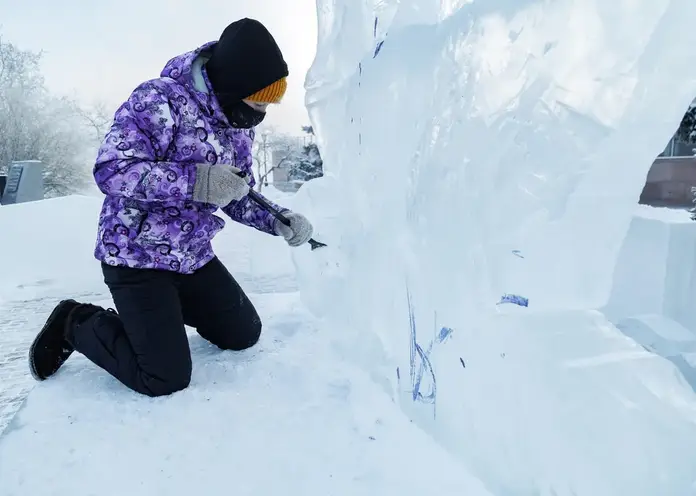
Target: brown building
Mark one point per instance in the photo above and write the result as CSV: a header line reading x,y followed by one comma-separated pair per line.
x,y
671,177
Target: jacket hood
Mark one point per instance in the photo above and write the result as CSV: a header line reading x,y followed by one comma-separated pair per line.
x,y
188,71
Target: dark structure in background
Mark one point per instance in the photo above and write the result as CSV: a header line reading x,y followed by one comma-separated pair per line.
x,y
309,165
671,177
291,171
23,183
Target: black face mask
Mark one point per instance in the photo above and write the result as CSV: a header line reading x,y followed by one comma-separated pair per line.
x,y
242,116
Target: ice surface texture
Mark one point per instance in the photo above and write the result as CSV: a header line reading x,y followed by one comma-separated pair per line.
x,y
499,148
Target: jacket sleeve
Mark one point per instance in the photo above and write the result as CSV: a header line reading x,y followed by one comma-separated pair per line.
x,y
130,160
246,211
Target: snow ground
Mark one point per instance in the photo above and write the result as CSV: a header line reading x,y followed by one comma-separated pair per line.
x,y
285,418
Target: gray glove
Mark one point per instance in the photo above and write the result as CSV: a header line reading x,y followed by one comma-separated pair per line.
x,y
219,184
298,232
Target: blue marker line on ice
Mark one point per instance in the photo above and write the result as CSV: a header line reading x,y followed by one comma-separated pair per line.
x,y
379,47
412,325
425,363
514,299
416,350
445,332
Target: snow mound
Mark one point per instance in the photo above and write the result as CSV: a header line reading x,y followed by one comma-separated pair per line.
x,y
32,234
483,164
656,269
654,286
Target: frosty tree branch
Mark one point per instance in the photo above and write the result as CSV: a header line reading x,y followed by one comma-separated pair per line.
x,y
35,125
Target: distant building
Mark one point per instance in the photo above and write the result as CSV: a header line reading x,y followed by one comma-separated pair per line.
x,y
281,171
677,148
671,177
288,162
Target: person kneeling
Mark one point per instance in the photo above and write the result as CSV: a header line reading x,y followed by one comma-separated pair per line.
x,y
179,149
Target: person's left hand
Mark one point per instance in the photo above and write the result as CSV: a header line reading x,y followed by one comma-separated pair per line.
x,y
298,232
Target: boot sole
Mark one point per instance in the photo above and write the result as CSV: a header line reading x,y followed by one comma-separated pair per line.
x,y
37,339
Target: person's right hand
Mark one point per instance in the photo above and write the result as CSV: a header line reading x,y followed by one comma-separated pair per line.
x,y
219,184
298,232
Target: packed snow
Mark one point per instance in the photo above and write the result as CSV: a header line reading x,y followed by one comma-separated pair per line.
x,y
493,315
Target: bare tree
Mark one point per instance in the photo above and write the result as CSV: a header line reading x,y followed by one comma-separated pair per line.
x,y
20,82
286,155
272,150
37,126
98,119
259,154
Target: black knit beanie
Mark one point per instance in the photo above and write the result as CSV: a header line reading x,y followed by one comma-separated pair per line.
x,y
245,60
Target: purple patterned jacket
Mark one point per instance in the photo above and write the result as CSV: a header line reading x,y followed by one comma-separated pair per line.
x,y
146,168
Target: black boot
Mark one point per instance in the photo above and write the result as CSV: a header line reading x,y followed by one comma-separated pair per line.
x,y
52,346
50,349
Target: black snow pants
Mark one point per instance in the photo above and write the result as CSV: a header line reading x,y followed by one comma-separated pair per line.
x,y
144,345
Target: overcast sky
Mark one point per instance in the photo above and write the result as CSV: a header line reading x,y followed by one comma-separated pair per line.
x,y
100,50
